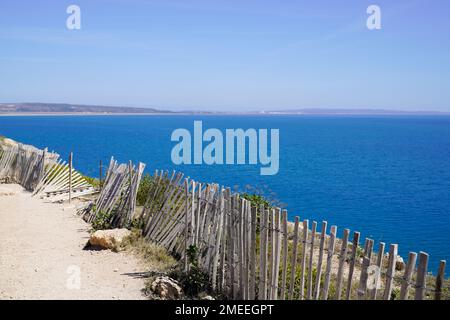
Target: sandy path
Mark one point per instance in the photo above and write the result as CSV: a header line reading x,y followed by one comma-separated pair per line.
x,y
41,254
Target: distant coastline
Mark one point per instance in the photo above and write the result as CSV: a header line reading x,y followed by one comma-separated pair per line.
x,y
62,109
81,114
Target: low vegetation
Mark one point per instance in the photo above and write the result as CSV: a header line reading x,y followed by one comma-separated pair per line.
x,y
92,181
102,220
155,257
145,186
195,281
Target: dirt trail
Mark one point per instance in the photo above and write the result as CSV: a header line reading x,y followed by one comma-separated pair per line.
x,y
41,254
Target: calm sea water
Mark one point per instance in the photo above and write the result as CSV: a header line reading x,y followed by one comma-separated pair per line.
x,y
387,177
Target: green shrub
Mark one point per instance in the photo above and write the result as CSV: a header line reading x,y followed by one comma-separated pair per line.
x,y
195,280
102,220
145,186
256,200
260,196
395,294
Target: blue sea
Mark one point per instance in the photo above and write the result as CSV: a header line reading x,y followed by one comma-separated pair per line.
x,y
387,177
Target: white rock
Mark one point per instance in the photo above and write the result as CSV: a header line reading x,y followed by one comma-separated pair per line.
x,y
108,239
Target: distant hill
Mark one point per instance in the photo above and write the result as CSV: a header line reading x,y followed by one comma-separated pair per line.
x,y
71,108
318,111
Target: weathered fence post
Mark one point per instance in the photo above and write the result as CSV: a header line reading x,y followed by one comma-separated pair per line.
x,y
342,258
406,281
421,276
303,266
264,215
253,254
309,292
390,271
439,280
186,224
352,264
277,254
294,260
376,284
330,254
320,262
285,254
361,292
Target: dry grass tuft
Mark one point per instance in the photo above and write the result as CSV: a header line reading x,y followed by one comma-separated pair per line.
x,y
155,257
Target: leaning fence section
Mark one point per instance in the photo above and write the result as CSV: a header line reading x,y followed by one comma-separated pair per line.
x,y
23,164
116,203
253,252
42,173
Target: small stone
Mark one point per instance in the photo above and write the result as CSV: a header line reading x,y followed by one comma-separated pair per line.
x,y
399,264
116,270
166,288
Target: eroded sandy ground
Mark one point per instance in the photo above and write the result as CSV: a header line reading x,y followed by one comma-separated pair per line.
x,y
41,254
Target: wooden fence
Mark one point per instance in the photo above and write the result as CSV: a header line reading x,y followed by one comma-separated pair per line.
x,y
22,164
253,252
117,200
42,172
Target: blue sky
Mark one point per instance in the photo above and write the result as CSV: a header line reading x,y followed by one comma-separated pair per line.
x,y
227,55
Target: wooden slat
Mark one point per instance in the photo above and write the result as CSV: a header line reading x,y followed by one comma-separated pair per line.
x,y
342,258
252,284
352,264
277,254
421,276
303,266
390,272
271,263
320,262
293,259
406,281
379,265
285,254
330,254
361,293
186,225
309,292
262,293
440,280
219,241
